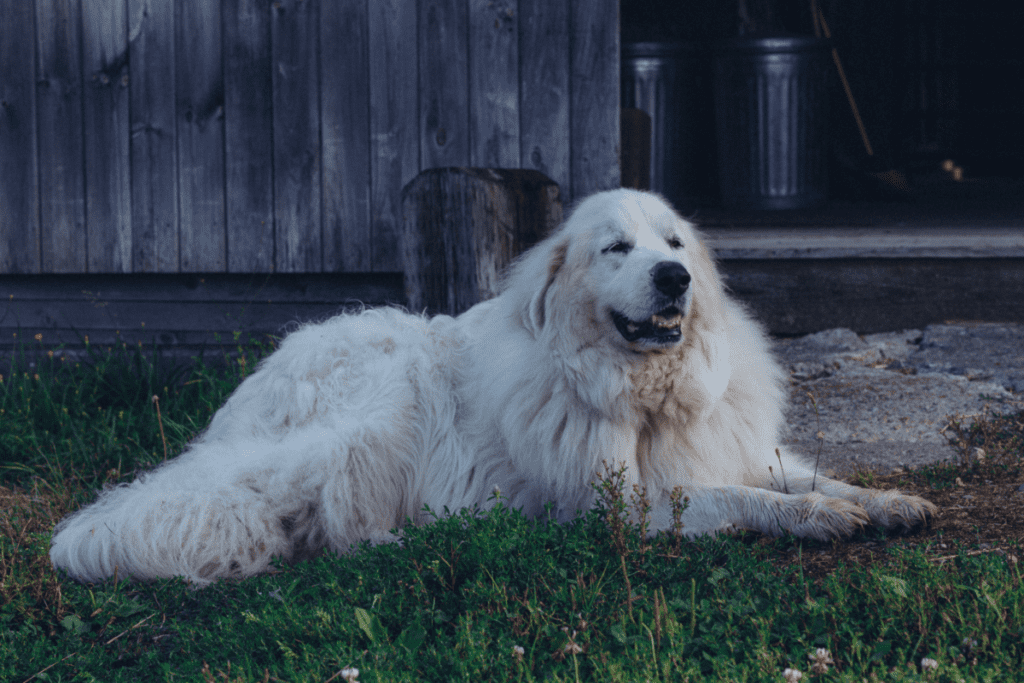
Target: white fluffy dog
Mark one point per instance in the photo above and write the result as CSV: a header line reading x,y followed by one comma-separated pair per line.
x,y
612,341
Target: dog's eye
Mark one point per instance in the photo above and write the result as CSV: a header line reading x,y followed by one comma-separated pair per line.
x,y
618,247
675,243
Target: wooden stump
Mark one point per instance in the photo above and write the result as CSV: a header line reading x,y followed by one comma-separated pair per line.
x,y
462,227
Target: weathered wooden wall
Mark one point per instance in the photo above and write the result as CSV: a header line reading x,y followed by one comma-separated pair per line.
x,y
180,312
253,136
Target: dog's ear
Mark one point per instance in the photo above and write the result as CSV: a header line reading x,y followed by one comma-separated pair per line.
x,y
538,304
543,263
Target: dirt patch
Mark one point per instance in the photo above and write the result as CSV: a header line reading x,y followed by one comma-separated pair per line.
x,y
982,516
980,498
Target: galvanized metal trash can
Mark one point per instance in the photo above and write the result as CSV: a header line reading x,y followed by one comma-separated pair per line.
x,y
771,106
671,83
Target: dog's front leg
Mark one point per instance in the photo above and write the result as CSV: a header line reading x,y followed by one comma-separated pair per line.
x,y
887,509
717,509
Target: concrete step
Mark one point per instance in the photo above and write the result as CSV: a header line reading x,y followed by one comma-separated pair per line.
x,y
852,241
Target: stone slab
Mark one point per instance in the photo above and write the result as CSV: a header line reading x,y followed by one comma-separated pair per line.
x,y
882,401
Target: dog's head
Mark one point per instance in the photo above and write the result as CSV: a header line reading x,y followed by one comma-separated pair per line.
x,y
636,258
627,278
636,272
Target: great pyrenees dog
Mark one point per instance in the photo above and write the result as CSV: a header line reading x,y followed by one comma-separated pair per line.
x,y
612,341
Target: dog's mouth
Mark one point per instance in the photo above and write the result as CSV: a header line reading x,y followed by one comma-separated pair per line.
x,y
661,328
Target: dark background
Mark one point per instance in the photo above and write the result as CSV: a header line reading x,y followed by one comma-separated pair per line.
x,y
933,79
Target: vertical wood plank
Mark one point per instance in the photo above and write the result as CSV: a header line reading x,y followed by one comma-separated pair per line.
x,y
494,83
248,136
297,208
544,89
345,125
19,172
594,139
443,83
154,157
59,107
108,186
200,131
394,139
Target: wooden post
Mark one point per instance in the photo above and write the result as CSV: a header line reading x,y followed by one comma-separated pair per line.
x,y
463,226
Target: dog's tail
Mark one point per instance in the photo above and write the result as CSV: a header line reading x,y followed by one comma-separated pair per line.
x,y
143,530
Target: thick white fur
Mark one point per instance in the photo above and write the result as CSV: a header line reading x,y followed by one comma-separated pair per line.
x,y
355,424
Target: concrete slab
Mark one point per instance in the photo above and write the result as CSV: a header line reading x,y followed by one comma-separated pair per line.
x,y
881,401
978,351
834,242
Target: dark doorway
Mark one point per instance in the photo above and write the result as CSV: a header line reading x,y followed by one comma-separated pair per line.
x,y
939,85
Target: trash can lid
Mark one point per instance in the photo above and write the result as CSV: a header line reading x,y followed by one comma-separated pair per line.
x,y
765,44
660,49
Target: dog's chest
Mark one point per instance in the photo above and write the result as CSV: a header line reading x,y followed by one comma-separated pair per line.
x,y
657,385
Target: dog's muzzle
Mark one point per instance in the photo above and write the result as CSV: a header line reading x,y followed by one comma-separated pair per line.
x,y
663,327
671,280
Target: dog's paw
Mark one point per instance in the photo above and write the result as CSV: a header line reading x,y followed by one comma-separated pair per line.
x,y
823,518
898,511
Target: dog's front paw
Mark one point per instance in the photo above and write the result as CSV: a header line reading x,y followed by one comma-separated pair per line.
x,y
823,518
895,510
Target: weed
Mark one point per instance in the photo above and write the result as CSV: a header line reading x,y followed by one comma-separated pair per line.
x,y
819,435
989,440
784,485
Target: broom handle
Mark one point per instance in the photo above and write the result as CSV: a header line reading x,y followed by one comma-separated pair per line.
x,y
820,17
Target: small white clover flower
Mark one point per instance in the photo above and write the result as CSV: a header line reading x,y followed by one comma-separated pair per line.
x,y
350,674
572,647
518,652
929,664
820,659
792,675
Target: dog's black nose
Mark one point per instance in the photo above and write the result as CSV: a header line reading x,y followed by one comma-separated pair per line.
x,y
670,278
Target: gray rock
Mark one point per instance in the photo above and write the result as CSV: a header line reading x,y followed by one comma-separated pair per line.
x,y
883,400
804,371
986,351
832,341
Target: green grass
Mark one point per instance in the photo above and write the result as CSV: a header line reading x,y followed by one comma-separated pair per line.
x,y
82,418
475,597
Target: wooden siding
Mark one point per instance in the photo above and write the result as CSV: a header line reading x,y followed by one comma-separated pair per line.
x,y
255,136
19,140
184,313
